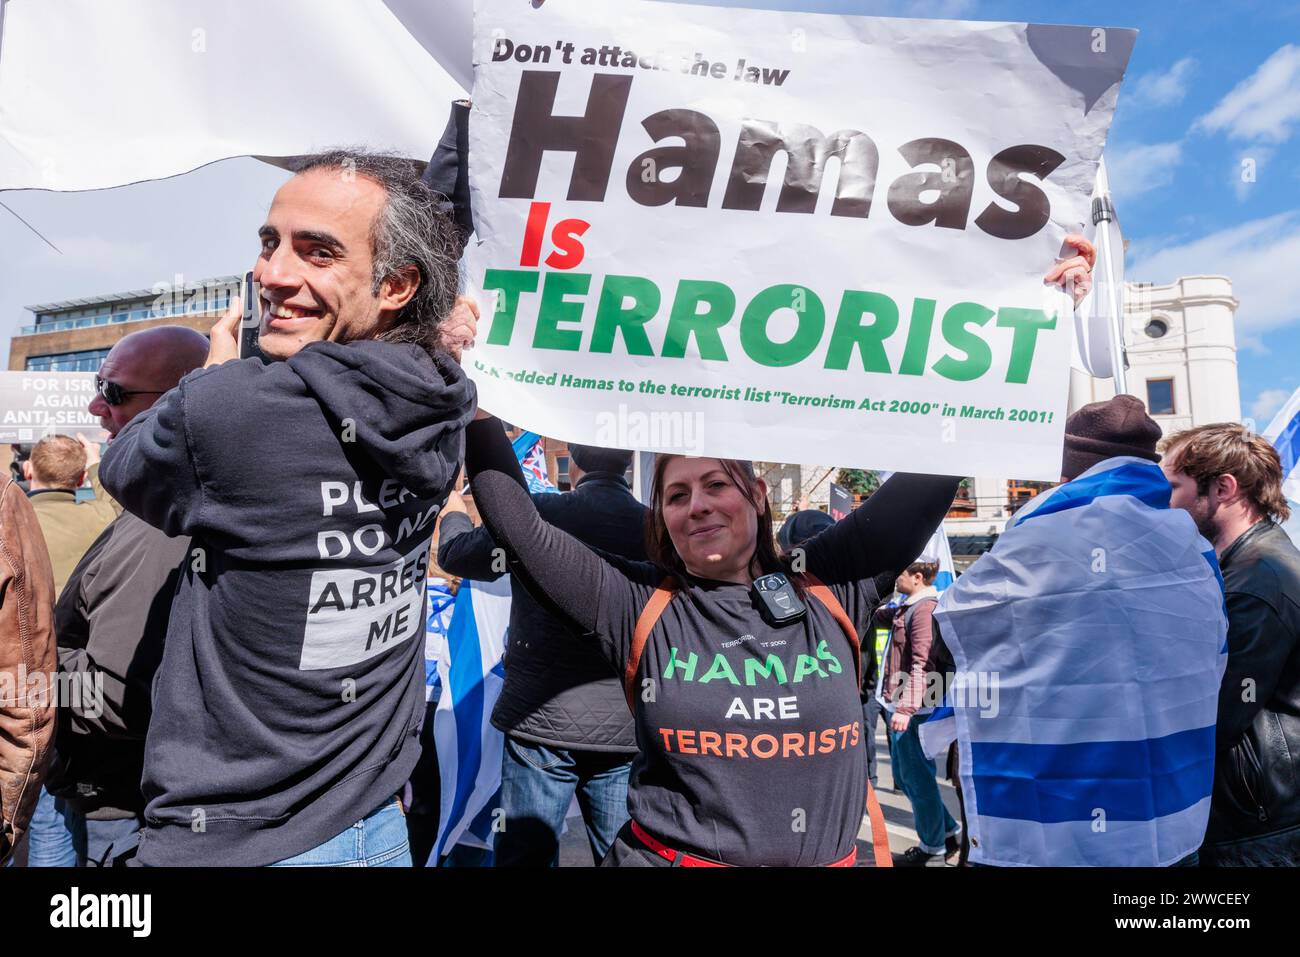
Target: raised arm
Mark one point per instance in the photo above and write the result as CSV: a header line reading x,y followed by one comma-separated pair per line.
x,y
885,534
466,551
557,569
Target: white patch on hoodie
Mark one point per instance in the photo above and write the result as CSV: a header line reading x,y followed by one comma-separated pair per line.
x,y
355,614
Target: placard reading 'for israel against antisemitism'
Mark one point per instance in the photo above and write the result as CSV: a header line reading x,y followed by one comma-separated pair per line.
x,y
784,236
36,404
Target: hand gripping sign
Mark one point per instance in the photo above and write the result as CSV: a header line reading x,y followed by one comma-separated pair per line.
x,y
782,236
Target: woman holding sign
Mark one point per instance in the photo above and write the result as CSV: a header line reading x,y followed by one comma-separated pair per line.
x,y
741,667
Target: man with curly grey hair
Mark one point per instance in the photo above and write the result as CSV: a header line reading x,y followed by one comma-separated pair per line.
x,y
354,247
289,700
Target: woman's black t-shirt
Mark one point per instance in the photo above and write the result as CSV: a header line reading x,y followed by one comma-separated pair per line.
x,y
750,734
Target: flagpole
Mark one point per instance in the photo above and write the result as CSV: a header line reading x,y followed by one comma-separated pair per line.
x,y
1103,214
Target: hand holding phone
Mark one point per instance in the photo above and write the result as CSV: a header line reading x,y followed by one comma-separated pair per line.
x,y
223,339
251,321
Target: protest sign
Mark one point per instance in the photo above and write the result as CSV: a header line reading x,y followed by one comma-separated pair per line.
x,y
841,502
782,236
36,404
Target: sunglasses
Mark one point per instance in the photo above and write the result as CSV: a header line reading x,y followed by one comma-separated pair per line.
x,y
114,394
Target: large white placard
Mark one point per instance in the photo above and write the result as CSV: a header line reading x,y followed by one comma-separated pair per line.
x,y
36,404
782,236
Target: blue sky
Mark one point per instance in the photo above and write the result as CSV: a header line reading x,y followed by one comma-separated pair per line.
x,y
1213,90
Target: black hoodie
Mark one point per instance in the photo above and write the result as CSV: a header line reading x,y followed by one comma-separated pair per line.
x,y
290,695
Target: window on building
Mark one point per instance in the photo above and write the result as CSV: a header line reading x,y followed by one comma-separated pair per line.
x,y
1160,396
562,468
88,360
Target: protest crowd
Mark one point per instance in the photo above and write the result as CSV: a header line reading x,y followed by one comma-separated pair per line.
x,y
216,628
702,683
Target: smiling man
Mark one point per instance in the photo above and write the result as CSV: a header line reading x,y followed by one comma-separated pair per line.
x,y
288,703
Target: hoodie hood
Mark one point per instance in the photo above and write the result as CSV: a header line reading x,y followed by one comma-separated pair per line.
x,y
408,410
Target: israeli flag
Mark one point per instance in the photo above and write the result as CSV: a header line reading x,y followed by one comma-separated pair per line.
x,y
1284,433
1090,643
436,625
1096,315
937,550
469,748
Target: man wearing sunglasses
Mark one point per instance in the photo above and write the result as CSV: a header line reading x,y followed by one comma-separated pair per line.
x,y
140,368
111,618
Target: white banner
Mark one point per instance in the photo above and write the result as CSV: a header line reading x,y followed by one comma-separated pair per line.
x,y
36,404
782,236
192,81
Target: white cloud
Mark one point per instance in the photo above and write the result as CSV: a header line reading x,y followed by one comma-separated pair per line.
x,y
1265,105
1267,403
1258,256
1164,89
1135,170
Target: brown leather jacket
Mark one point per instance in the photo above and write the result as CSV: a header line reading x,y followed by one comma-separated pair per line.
x,y
27,662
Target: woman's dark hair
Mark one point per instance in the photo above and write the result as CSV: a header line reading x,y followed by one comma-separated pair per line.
x,y
659,544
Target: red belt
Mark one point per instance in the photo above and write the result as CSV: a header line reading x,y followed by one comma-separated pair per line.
x,y
682,859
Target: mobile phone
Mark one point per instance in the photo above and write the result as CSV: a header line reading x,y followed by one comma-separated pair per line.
x,y
251,321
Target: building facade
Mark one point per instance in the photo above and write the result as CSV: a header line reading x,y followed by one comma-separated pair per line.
x,y
74,335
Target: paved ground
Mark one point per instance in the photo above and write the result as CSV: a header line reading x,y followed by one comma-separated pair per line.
x,y
575,851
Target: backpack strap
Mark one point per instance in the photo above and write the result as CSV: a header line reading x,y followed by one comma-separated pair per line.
x,y
814,587
910,611
644,625
879,839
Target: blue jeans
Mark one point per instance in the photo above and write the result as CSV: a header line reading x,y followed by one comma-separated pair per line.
x,y
871,711
105,840
915,774
55,834
378,840
537,785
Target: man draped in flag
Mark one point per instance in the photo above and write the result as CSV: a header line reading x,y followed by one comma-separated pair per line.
x,y
1089,645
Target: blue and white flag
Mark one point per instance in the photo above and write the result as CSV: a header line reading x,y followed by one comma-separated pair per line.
x,y
437,622
937,550
1284,433
469,748
1089,644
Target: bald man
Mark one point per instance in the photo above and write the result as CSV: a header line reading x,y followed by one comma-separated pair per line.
x,y
111,619
140,368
